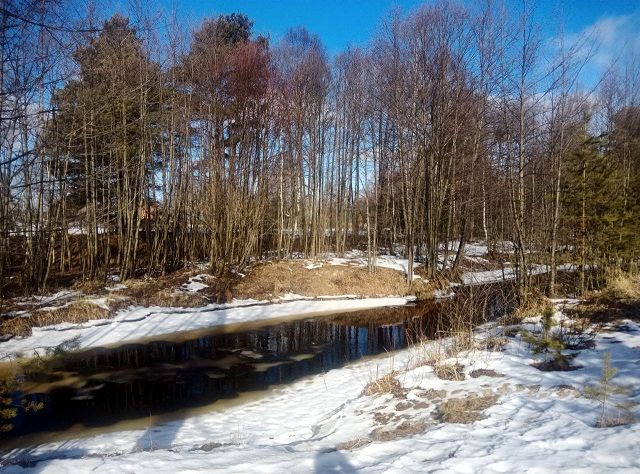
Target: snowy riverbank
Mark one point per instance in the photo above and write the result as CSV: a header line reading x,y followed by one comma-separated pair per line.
x,y
534,422
137,323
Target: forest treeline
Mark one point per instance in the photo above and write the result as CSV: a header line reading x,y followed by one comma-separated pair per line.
x,y
133,144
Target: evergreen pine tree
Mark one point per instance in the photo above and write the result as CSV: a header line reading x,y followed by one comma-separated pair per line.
x,y
547,342
592,206
604,392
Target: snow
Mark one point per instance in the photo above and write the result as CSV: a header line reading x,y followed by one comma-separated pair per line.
x,y
57,297
442,294
540,423
78,230
471,249
195,284
358,258
138,322
488,276
507,273
394,263
475,249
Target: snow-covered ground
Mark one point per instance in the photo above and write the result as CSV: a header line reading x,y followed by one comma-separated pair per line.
x,y
507,273
540,422
473,252
358,258
139,322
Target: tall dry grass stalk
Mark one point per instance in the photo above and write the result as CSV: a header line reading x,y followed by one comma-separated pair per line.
x,y
456,332
622,285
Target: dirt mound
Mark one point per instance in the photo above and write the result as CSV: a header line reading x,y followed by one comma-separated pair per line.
x,y
274,279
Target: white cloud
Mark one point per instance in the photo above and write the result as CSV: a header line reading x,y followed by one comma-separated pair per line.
x,y
616,37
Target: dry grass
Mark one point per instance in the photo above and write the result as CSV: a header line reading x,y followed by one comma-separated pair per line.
x,y
385,384
19,326
431,353
165,291
621,418
465,410
493,344
117,302
264,281
433,394
94,287
535,305
474,374
441,354
170,298
75,312
160,291
619,300
622,285
454,372
273,279
404,430
353,444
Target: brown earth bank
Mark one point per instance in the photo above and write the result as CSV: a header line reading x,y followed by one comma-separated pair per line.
x,y
274,279
618,300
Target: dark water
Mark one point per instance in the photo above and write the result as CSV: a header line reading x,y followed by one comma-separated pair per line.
x,y
103,386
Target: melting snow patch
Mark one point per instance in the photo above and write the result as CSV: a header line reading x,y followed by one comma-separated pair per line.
x,y
195,284
443,293
49,299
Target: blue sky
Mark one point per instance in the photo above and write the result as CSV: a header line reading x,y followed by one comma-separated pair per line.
x,y
614,24
340,23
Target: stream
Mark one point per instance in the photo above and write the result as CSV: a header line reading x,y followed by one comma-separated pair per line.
x,y
151,381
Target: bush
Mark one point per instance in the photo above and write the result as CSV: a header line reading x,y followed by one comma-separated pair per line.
x,y
449,371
